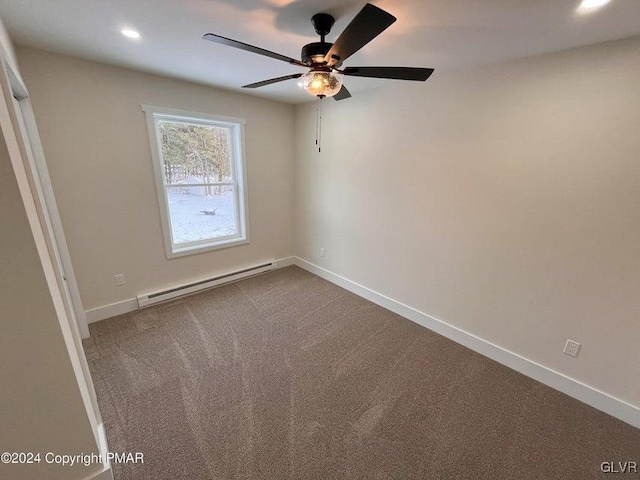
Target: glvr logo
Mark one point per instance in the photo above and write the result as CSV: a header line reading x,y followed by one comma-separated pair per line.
x,y
619,467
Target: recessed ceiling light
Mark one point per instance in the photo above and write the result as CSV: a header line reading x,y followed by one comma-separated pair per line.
x,y
593,4
128,32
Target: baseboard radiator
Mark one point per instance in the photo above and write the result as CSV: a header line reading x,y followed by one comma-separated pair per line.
x,y
149,299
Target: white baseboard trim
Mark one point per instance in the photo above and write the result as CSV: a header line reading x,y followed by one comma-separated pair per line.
x,y
106,473
556,380
113,310
131,304
286,262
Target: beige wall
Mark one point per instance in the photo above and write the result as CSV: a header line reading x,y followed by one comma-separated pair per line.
x,y
41,409
95,138
503,200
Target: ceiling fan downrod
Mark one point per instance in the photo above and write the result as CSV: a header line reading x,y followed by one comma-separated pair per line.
x,y
313,54
322,23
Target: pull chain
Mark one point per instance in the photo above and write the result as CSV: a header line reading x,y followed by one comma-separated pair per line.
x,y
320,128
319,123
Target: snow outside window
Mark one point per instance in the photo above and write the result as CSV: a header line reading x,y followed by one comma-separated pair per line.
x,y
199,166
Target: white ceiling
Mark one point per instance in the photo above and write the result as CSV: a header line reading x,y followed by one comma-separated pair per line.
x,y
442,34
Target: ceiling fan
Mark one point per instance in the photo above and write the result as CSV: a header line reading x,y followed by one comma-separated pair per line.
x,y
324,60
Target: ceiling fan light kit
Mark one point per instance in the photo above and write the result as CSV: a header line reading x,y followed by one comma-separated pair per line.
x,y
321,84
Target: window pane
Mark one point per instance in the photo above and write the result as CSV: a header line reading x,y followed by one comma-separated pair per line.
x,y
195,153
202,213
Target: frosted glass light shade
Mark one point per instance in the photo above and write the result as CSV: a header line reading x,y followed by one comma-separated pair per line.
x,y
321,83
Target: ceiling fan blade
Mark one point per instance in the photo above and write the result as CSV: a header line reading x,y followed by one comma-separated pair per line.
x,y
273,80
396,73
342,94
250,48
370,22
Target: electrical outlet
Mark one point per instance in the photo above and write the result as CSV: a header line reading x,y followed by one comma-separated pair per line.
x,y
120,280
322,252
571,348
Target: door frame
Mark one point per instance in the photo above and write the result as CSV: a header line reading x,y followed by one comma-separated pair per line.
x,y
21,136
41,184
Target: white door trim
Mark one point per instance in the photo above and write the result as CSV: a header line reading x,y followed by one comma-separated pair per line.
x,y
40,166
11,86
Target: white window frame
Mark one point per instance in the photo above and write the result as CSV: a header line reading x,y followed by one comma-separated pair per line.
x,y
156,114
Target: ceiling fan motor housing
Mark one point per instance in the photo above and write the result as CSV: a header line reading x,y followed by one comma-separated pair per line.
x,y
313,53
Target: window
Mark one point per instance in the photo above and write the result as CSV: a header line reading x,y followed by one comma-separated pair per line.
x,y
199,165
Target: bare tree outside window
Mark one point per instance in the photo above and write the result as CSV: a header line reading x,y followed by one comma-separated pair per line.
x,y
195,154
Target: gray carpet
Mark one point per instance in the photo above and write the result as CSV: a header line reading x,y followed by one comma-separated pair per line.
x,y
286,376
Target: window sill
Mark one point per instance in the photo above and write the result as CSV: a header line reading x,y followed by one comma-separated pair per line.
x,y
206,247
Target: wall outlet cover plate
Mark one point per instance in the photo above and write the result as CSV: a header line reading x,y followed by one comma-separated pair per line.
x,y
571,348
